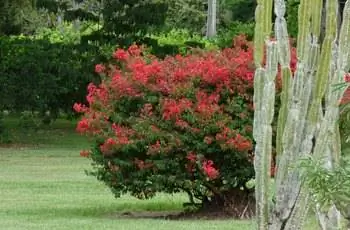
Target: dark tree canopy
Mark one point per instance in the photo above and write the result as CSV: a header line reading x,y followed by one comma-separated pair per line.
x,y
122,17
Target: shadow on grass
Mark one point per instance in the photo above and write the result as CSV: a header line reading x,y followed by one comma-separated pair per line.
x,y
124,208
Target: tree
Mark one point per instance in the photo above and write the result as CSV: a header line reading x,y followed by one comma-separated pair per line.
x,y
307,121
16,16
186,14
124,17
237,10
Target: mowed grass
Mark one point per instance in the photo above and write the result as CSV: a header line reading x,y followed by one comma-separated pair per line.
x,y
43,186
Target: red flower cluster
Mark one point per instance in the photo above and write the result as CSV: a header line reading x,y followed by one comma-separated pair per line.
x,y
209,170
240,143
99,68
107,147
172,109
83,125
121,54
79,108
233,140
207,105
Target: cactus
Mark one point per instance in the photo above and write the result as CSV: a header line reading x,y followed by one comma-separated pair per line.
x,y
264,88
302,117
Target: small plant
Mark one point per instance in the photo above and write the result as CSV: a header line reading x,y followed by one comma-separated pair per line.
x,y
327,186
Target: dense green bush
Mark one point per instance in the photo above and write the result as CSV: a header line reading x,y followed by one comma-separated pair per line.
x,y
225,36
39,75
176,41
182,36
172,42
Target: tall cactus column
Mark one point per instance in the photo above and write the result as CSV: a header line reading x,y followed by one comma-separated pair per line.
x,y
327,146
301,117
264,100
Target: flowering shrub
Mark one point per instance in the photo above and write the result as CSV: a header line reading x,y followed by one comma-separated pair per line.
x,y
179,124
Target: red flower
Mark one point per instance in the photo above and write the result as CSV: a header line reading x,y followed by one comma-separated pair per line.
x,y
79,108
91,93
110,141
99,68
240,143
134,50
209,170
120,54
83,125
347,77
192,157
172,108
108,146
207,105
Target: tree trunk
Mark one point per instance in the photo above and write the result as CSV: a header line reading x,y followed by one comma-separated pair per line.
x,y
211,19
237,203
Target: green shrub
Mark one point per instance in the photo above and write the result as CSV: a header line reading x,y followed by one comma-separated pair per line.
x,y
328,187
177,41
66,32
180,37
225,36
37,75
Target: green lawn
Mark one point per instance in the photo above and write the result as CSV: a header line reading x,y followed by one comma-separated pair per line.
x,y
44,187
